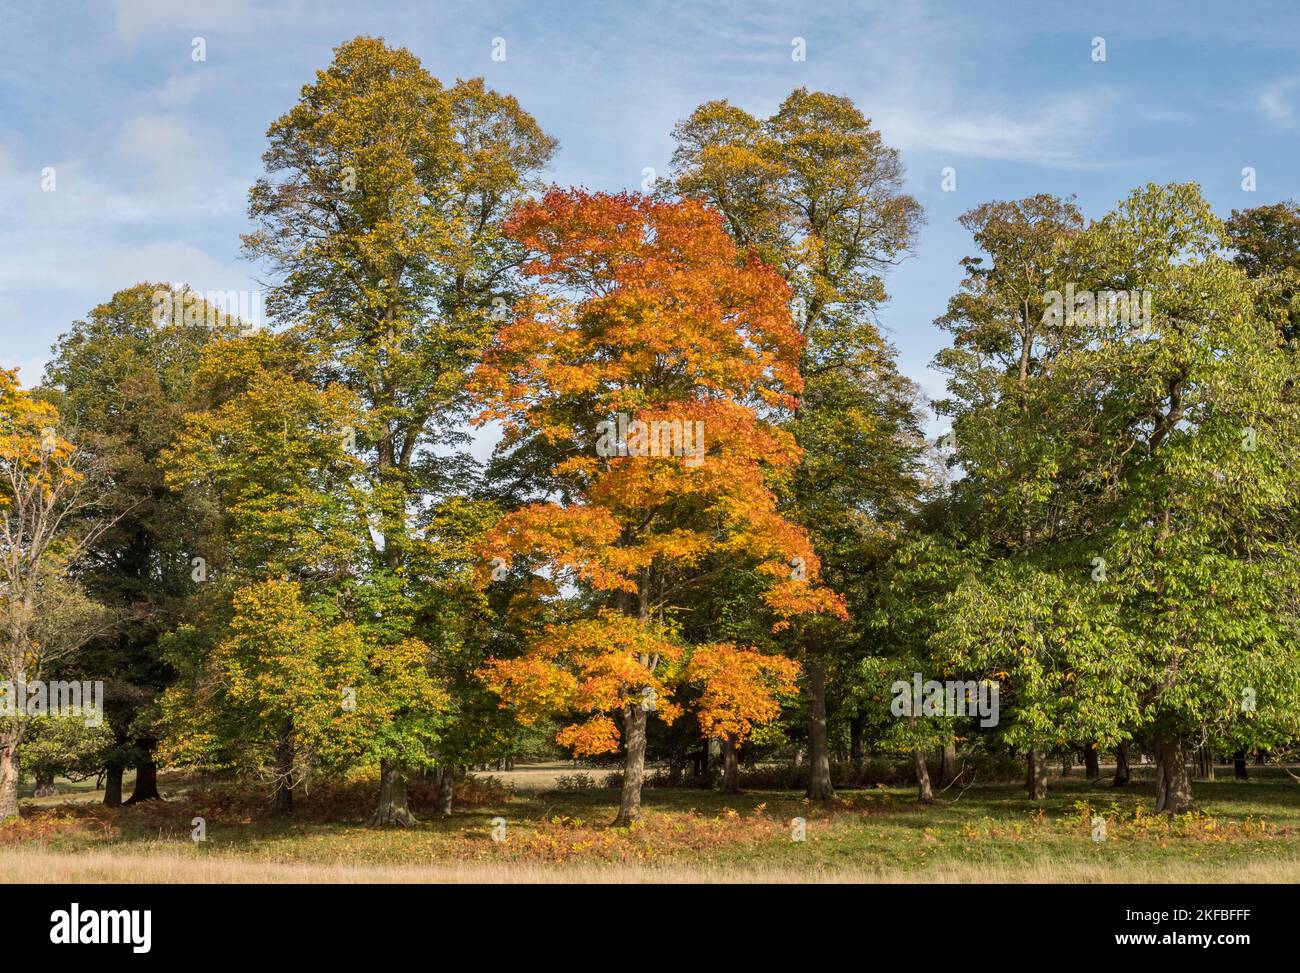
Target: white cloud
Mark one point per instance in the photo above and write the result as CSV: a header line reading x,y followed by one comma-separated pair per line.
x,y
1277,101
1058,132
136,20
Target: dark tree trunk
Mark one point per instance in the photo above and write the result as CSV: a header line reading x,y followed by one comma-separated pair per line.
x,y
1122,771
701,761
146,774
925,794
819,762
1205,762
948,763
730,767
8,782
676,766
113,785
1091,763
1239,765
857,728
282,795
45,784
629,804
1173,787
1261,758
393,809
1036,782
446,789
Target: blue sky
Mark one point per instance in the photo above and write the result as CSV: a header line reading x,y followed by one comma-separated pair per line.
x,y
153,152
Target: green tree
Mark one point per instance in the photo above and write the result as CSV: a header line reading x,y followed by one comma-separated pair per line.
x,y
814,190
381,217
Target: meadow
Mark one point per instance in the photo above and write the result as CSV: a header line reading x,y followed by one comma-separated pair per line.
x,y
556,829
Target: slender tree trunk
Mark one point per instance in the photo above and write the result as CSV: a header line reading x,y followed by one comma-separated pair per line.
x,y
1091,763
393,806
282,796
1239,765
948,763
857,727
446,789
8,782
629,804
45,784
1173,787
1122,771
113,785
730,767
925,794
819,763
146,774
676,766
1036,785
1205,762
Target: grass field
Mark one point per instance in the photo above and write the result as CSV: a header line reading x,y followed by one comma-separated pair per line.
x,y
1247,832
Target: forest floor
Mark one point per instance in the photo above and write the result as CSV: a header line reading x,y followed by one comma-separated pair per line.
x,y
1247,831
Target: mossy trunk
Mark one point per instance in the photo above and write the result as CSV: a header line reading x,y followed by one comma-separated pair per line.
x,y
394,808
1173,786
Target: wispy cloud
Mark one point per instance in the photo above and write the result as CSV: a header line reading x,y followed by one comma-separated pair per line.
x,y
1278,101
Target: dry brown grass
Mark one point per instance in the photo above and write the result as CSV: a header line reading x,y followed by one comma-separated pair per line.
x,y
37,865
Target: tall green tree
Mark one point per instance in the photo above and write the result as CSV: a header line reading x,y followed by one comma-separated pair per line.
x,y
815,191
121,377
380,216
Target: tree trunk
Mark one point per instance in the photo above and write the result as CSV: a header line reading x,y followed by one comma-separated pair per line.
x,y
857,727
393,807
1122,772
1036,784
282,796
676,766
819,763
1205,762
446,789
1239,765
1091,763
730,767
45,784
113,785
146,774
925,794
629,804
1173,788
948,763
8,782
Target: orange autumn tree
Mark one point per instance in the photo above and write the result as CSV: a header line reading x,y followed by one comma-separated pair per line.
x,y
743,688
648,362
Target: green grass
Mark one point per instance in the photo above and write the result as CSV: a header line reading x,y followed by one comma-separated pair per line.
x,y
989,831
